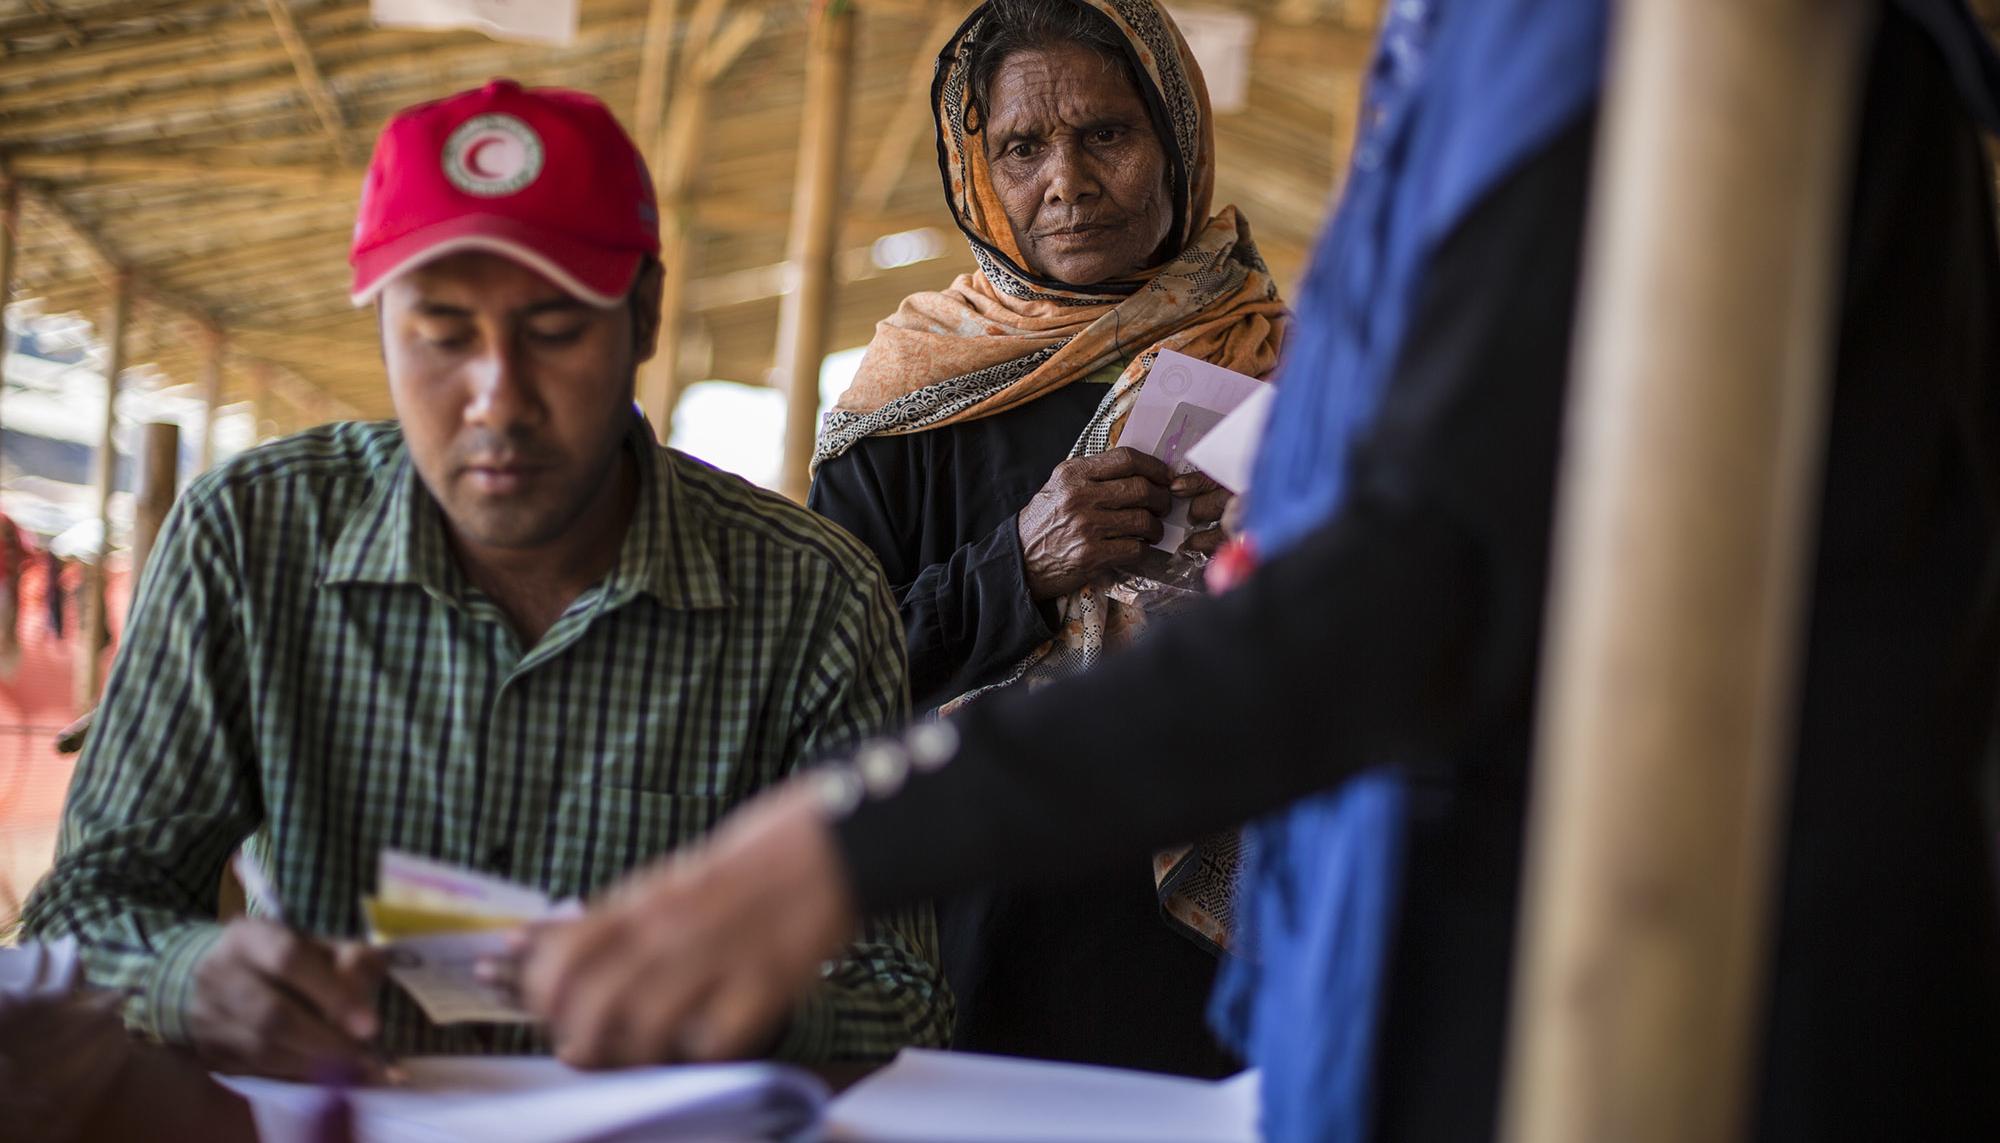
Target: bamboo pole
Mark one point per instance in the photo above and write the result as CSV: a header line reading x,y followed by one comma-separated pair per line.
x,y
318,91
246,62
1684,532
71,33
263,97
656,61
675,155
261,413
804,312
10,238
660,383
159,479
98,165
215,343
1347,111
93,630
911,128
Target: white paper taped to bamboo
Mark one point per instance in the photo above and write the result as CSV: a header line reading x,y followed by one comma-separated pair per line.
x,y
531,21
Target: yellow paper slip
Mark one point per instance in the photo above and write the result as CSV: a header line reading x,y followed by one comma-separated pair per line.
x,y
388,921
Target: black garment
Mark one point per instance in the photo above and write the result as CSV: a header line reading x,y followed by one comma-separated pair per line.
x,y
1408,627
938,508
1087,971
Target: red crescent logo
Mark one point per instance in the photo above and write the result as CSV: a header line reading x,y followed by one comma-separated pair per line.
x,y
472,165
472,158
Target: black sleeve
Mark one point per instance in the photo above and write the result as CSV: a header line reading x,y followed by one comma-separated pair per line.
x,y
1404,629
967,617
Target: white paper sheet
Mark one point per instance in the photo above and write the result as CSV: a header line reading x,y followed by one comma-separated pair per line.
x,y
538,1100
958,1097
1229,451
1183,401
532,21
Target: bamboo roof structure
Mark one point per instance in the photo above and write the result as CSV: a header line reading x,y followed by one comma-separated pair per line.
x,y
213,150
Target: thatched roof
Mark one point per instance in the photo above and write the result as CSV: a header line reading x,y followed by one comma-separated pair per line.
x,y
214,150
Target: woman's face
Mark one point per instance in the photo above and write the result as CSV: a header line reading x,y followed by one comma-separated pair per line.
x,y
1077,165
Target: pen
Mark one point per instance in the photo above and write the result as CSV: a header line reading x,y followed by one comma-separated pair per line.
x,y
257,886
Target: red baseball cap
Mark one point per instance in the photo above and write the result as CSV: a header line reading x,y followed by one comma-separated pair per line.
x,y
542,175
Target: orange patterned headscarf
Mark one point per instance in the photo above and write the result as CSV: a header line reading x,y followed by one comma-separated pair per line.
x,y
1002,337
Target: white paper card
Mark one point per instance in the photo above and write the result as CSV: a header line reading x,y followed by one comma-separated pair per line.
x,y
408,879
1184,399
530,21
960,1097
438,974
1229,451
437,969
1221,41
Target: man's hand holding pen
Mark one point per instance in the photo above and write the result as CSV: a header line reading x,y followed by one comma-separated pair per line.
x,y
272,1001
277,1002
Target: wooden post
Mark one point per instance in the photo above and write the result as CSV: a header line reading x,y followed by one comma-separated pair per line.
x,y
1347,111
660,382
804,312
318,91
215,343
656,62
159,480
10,238
261,412
676,153
911,130
1685,529
91,633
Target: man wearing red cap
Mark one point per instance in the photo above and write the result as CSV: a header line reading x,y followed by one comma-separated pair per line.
x,y
507,631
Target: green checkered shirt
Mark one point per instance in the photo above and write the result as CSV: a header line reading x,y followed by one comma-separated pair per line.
x,y
307,667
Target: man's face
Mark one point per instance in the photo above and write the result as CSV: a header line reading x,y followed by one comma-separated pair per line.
x,y
513,394
1077,165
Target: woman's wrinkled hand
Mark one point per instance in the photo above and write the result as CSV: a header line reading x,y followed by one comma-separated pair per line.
x,y
1208,505
1096,514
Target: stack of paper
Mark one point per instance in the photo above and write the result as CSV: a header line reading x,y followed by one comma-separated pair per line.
x,y
437,921
533,1100
936,1097
957,1097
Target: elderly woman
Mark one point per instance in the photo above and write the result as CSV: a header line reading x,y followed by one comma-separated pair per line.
x,y
972,453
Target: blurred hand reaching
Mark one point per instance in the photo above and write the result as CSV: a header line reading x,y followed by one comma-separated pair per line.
x,y
701,956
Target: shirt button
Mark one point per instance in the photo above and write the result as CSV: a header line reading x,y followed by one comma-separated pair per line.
x,y
500,858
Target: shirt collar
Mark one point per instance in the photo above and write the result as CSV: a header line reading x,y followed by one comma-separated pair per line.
x,y
398,537
665,554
